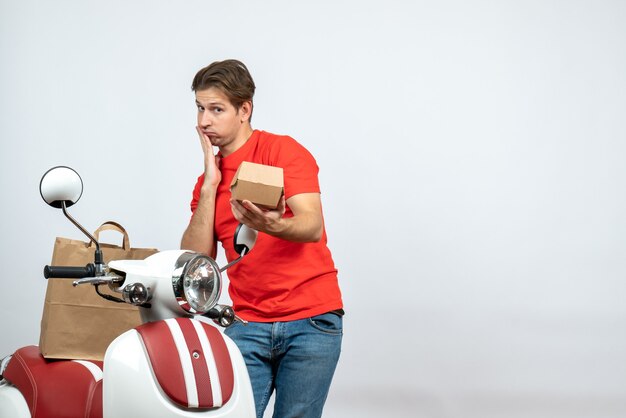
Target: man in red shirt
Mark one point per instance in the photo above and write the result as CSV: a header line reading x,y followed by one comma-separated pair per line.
x,y
287,286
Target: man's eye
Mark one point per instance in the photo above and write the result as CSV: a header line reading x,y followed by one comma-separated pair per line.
x,y
218,109
200,109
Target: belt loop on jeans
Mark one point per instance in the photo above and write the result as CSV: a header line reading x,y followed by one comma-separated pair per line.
x,y
339,312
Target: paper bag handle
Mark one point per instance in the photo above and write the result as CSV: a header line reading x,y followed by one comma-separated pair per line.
x,y
113,226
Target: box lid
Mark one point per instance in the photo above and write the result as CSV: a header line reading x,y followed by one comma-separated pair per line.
x,y
259,173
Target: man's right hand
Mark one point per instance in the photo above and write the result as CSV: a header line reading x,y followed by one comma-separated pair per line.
x,y
212,174
199,235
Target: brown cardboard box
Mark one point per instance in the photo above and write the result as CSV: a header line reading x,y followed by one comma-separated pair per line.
x,y
260,184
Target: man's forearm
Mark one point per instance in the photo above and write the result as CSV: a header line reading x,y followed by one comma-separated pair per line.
x,y
200,234
306,224
304,227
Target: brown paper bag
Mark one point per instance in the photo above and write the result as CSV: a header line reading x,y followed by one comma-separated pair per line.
x,y
76,322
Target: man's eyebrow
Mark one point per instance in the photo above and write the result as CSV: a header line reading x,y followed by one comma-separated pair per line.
x,y
212,102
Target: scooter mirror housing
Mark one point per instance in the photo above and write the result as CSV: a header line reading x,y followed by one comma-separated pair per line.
x,y
61,184
245,238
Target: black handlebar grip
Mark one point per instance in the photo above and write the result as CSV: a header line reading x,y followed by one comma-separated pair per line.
x,y
63,272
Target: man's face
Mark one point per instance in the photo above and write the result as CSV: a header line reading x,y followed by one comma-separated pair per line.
x,y
218,119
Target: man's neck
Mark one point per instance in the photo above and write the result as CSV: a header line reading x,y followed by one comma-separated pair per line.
x,y
242,137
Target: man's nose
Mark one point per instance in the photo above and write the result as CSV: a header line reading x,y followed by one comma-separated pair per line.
x,y
205,119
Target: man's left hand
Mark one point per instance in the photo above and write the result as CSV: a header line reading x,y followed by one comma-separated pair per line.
x,y
254,217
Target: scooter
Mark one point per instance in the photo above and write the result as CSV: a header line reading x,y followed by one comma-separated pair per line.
x,y
173,365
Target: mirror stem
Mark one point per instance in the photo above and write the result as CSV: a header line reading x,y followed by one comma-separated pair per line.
x,y
235,261
98,256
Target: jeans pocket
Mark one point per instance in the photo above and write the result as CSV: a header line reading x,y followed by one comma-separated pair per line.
x,y
328,323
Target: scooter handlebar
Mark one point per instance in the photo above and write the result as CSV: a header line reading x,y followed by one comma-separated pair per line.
x,y
65,272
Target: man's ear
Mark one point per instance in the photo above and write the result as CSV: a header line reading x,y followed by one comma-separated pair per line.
x,y
245,111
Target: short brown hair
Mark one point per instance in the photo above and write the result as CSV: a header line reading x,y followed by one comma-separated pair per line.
x,y
231,77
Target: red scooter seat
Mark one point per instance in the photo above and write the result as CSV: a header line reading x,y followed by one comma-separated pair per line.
x,y
56,388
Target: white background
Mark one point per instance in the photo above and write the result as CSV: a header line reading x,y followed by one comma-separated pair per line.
x,y
472,171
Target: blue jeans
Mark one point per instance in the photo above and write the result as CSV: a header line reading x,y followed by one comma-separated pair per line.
x,y
295,358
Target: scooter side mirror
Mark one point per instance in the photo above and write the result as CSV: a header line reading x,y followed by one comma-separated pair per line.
x,y
61,187
244,241
245,238
61,184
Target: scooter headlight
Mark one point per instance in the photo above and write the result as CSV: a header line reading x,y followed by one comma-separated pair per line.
x,y
197,282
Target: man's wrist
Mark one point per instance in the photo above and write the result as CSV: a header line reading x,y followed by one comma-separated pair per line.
x,y
208,190
277,227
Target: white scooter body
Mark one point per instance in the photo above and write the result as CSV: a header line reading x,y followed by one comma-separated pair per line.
x,y
130,387
12,403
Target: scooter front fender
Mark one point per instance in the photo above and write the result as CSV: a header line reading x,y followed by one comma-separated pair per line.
x,y
131,389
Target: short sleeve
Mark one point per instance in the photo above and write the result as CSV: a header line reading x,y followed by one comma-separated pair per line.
x,y
196,193
300,169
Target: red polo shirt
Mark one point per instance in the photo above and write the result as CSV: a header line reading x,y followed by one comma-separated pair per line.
x,y
278,280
